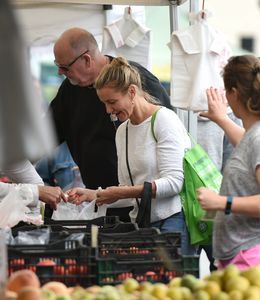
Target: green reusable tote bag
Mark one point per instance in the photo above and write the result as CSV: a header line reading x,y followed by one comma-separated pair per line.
x,y
199,171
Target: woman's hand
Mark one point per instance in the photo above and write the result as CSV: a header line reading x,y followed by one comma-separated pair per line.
x,y
79,195
51,195
209,200
109,195
217,105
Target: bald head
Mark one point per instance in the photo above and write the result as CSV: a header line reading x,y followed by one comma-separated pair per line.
x,y
76,40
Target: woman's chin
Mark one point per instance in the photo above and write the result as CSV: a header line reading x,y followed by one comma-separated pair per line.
x,y
122,118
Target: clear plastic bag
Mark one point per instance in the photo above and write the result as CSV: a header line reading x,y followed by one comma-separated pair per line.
x,y
40,236
84,211
13,208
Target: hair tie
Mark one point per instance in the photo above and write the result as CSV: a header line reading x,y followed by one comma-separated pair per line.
x,y
256,70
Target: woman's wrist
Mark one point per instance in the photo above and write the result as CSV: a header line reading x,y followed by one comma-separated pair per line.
x,y
222,203
222,121
229,201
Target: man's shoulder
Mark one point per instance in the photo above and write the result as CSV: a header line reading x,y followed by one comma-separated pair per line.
x,y
137,65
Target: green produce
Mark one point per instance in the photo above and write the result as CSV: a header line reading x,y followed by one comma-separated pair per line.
x,y
237,283
48,294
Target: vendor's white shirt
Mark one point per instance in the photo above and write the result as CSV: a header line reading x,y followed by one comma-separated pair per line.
x,y
23,172
198,55
161,161
128,38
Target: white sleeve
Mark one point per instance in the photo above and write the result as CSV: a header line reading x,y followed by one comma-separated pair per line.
x,y
23,172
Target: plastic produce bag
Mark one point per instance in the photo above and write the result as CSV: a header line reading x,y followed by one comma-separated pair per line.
x,y
40,236
84,211
13,209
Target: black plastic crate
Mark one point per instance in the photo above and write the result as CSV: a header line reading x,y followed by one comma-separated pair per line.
x,y
60,230
109,224
114,271
145,254
65,261
143,244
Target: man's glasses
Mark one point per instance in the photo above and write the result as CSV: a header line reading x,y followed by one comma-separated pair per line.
x,y
66,68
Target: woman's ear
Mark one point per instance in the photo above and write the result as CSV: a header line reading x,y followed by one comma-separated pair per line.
x,y
235,92
132,91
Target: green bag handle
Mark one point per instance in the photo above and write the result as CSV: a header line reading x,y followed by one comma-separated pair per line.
x,y
152,123
153,133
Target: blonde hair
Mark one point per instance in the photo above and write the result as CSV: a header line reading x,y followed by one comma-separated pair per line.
x,y
243,73
119,74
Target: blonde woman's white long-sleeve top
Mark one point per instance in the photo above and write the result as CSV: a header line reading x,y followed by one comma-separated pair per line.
x,y
160,161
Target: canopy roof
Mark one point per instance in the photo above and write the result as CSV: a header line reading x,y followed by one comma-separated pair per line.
x,y
116,2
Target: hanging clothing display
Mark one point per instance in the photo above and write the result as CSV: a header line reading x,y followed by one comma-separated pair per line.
x,y
198,55
128,38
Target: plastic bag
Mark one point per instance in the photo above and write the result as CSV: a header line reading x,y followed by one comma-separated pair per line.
x,y
40,236
66,211
13,208
84,211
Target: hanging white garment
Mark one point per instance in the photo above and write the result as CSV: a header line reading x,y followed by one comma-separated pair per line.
x,y
128,38
198,55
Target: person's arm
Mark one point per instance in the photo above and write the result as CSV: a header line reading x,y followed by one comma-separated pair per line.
x,y
33,193
51,195
217,107
114,193
78,195
248,205
106,196
23,172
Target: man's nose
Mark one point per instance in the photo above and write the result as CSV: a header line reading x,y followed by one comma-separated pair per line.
x,y
61,71
109,109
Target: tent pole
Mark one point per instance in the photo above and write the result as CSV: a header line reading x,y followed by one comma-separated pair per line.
x,y
173,9
193,117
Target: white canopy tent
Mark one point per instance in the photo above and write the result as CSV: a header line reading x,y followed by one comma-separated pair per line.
x,y
115,2
44,21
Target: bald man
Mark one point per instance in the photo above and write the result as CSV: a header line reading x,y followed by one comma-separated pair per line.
x,y
80,117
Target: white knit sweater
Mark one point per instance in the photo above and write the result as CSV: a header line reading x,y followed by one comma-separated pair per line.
x,y
161,161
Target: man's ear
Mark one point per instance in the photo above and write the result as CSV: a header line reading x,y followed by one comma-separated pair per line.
x,y
87,59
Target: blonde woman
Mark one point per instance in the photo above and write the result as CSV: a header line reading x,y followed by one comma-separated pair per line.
x,y
156,159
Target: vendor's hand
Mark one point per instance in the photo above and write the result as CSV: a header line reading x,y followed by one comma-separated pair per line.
x,y
217,105
108,195
209,200
51,195
79,195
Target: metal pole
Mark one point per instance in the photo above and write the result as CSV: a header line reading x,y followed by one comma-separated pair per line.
x,y
189,118
192,117
174,25
173,9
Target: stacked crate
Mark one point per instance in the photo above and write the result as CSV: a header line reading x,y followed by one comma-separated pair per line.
x,y
122,251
